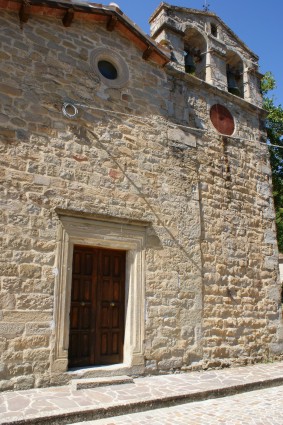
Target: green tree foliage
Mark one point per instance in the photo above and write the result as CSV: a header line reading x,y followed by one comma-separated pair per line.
x,y
274,127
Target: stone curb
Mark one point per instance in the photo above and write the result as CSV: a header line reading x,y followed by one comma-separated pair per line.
x,y
70,417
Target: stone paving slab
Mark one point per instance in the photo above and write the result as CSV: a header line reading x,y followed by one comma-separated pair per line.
x,y
65,405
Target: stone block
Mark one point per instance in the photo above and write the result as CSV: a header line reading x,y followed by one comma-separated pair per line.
x,y
37,328
26,316
44,380
151,365
7,301
3,371
34,302
36,355
9,90
43,245
30,271
173,363
41,180
159,342
7,269
35,341
14,369
187,332
59,366
6,385
24,382
271,263
11,356
3,344
40,368
11,330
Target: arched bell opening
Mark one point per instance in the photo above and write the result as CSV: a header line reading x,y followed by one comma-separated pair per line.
x,y
195,53
213,30
234,72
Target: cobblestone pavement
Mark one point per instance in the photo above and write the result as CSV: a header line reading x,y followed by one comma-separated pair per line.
x,y
261,407
66,404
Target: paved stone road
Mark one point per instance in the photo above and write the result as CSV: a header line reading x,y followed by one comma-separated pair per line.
x,y
62,405
261,407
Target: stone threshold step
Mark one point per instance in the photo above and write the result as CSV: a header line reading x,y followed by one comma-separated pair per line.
x,y
86,383
126,407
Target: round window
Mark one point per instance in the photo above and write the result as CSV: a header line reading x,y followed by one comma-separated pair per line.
x,y
110,67
107,69
222,119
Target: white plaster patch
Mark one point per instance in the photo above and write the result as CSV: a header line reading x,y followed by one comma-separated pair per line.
x,y
179,136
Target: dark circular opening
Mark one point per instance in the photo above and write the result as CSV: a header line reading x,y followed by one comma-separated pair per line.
x,y
108,70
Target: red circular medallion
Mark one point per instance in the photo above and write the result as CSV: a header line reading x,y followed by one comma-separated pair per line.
x,y
222,120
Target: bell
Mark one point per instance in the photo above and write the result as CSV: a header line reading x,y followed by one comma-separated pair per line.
x,y
190,66
232,83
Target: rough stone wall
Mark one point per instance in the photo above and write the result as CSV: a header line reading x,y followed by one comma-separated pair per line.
x,y
98,163
207,199
241,291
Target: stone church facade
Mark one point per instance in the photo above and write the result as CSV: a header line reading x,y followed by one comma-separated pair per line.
x,y
137,220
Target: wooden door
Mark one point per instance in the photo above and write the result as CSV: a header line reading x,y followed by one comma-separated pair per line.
x,y
97,307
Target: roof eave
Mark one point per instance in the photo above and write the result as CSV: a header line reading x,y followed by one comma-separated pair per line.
x,y
97,12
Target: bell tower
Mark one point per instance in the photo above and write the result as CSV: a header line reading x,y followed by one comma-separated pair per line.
x,y
203,46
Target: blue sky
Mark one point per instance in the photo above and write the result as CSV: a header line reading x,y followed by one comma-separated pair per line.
x,y
257,22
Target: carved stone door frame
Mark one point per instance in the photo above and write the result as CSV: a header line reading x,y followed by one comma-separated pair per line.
x,y
104,234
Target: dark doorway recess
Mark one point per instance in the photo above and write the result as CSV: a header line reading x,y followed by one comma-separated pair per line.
x,y
97,307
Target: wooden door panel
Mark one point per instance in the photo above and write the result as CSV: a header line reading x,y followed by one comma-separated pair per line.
x,y
77,263
112,289
85,343
117,267
115,343
75,289
104,343
86,318
86,289
88,264
97,307
106,265
104,317
116,294
82,314
106,290
115,317
73,346
74,318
